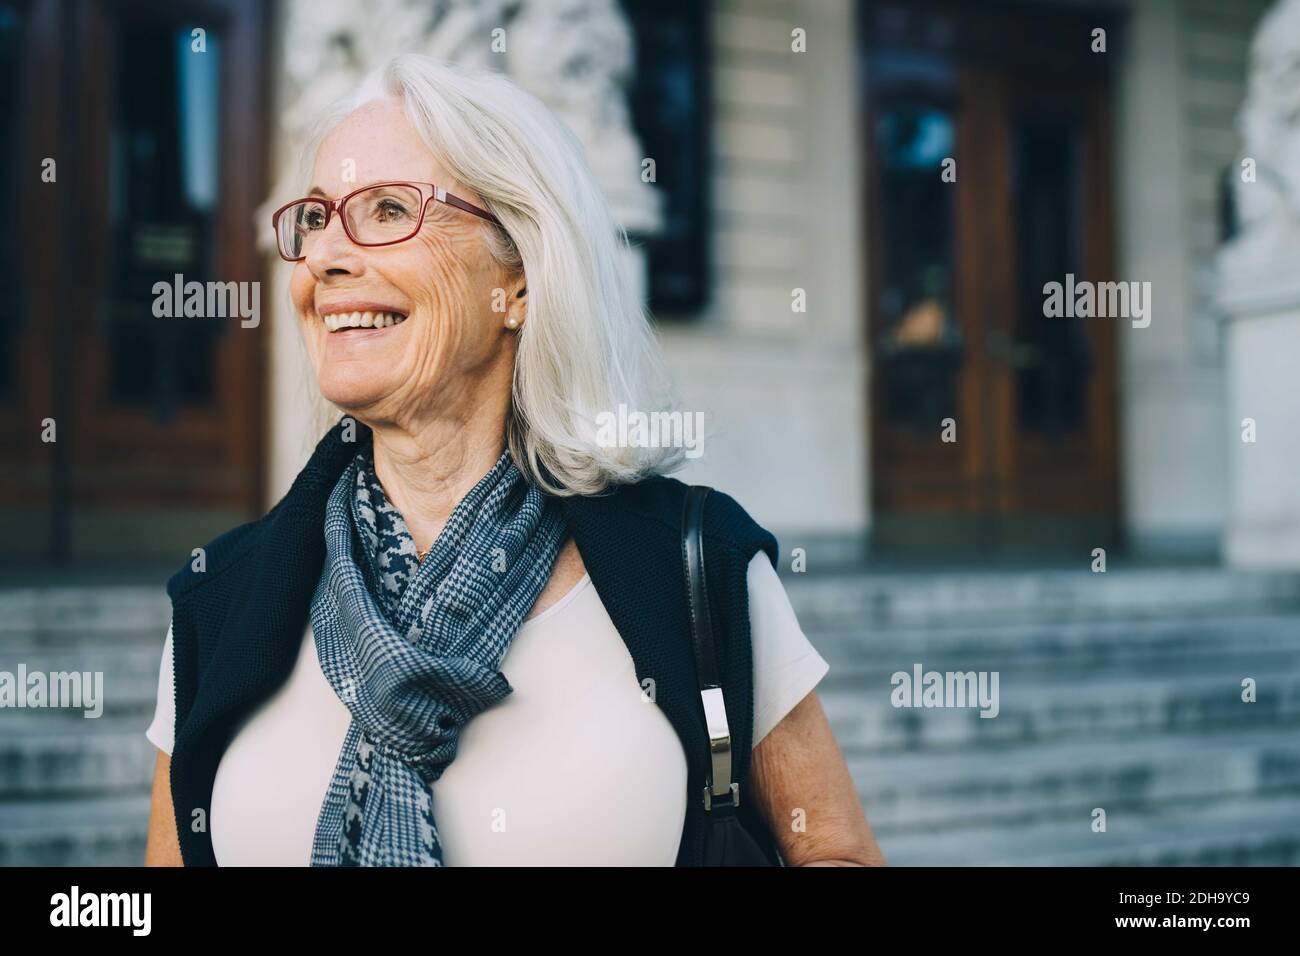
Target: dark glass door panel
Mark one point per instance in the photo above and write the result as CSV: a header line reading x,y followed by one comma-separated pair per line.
x,y
919,343
164,183
1052,356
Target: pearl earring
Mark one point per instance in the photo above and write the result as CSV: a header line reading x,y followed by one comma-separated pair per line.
x,y
512,322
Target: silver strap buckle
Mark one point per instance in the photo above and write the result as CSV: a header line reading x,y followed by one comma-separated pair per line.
x,y
720,784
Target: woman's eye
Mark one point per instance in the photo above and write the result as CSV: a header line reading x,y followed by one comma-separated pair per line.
x,y
313,220
389,210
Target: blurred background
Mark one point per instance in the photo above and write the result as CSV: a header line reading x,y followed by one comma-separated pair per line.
x,y
853,210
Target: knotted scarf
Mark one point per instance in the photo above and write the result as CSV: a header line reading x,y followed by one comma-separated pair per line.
x,y
413,648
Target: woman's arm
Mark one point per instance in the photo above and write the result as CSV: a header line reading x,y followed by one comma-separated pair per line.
x,y
163,847
798,767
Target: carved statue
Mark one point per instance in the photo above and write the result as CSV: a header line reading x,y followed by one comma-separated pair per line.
x,y
1269,123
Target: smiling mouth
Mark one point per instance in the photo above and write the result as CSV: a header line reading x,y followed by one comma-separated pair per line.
x,y
343,321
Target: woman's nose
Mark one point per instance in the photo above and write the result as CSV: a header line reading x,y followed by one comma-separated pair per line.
x,y
331,253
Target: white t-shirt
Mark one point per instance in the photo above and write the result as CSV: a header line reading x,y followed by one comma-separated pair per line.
x,y
575,767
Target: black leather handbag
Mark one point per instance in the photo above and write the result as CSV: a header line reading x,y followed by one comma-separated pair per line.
x,y
736,834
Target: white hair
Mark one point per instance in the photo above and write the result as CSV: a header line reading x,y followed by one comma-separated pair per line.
x,y
586,346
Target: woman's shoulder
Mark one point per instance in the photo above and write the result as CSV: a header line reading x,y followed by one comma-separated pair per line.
x,y
207,561
659,500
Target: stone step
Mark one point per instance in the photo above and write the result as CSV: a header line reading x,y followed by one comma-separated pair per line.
x,y
79,615
63,759
1172,642
1252,831
1037,711
99,831
869,677
1053,597
989,785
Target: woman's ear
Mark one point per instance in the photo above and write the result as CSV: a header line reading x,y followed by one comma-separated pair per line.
x,y
517,305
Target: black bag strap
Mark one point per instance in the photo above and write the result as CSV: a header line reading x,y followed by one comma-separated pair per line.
x,y
719,790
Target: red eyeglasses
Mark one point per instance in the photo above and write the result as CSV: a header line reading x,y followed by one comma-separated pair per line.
x,y
381,214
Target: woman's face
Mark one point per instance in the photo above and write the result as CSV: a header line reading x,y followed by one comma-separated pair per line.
x,y
451,346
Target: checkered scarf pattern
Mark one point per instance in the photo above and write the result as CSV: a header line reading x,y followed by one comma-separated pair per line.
x,y
414,648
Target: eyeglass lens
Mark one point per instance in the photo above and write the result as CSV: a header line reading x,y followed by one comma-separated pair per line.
x,y
374,216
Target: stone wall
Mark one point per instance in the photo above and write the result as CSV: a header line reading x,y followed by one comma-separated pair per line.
x,y
784,391
1181,81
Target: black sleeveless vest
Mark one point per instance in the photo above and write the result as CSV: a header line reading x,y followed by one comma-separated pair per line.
x,y
237,625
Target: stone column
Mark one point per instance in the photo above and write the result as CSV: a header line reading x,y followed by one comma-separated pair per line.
x,y
574,55
1259,294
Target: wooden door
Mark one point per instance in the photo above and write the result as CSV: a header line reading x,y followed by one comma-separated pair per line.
x,y
993,426
159,144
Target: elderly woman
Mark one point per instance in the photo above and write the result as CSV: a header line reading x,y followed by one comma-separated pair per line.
x,y
463,636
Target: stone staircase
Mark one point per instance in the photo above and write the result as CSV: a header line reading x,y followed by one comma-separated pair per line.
x,y
75,790
1119,690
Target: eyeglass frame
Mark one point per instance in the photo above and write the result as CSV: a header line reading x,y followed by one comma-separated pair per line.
x,y
437,194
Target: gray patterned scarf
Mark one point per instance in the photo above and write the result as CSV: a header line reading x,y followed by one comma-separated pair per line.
x,y
413,648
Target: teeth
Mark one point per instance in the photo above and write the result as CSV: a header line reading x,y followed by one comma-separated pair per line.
x,y
362,320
